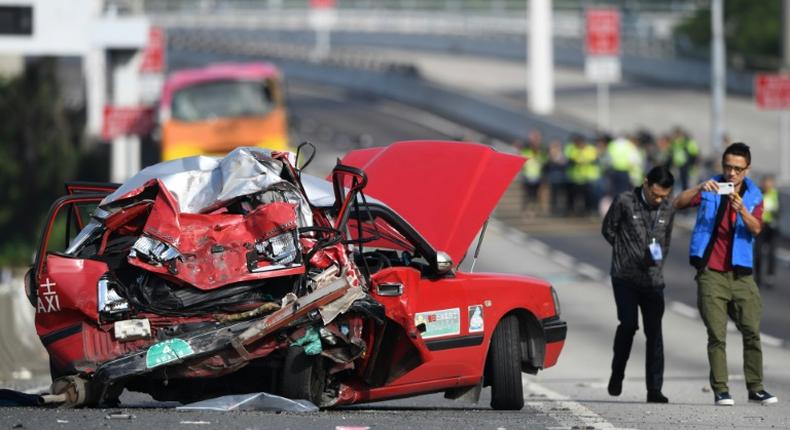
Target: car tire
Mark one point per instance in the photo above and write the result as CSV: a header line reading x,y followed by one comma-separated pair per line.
x,y
507,392
303,376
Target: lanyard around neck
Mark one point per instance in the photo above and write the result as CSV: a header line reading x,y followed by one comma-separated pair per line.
x,y
650,230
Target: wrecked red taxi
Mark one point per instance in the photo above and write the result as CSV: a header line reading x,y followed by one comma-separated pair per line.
x,y
202,277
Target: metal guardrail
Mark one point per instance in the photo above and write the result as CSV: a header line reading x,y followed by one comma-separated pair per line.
x,y
465,6
647,26
356,70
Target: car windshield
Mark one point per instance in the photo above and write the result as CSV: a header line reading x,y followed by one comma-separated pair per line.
x,y
221,99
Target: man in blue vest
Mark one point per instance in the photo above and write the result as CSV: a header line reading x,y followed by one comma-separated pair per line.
x,y
729,217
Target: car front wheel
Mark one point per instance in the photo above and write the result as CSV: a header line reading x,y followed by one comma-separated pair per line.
x,y
507,392
303,376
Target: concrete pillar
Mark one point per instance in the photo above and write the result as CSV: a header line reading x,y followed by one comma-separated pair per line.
x,y
718,79
94,66
541,58
126,91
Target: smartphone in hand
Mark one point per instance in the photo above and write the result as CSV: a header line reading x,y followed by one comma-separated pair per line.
x,y
726,187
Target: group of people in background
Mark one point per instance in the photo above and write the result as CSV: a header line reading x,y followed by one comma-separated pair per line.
x,y
582,176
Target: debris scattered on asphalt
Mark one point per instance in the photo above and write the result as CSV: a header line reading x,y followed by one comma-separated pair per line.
x,y
119,416
251,402
22,374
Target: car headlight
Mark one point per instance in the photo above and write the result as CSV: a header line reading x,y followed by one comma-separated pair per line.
x,y
280,249
556,301
109,301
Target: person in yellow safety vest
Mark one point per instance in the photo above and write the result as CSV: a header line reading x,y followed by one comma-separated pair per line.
x,y
660,153
625,161
532,171
765,245
684,152
583,172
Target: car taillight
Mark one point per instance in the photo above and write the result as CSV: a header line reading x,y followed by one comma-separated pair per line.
x,y
556,301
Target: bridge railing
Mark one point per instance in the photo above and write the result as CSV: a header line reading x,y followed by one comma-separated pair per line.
x,y
647,26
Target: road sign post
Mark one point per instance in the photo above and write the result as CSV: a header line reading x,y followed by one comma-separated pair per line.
x,y
772,92
602,63
323,17
152,66
122,126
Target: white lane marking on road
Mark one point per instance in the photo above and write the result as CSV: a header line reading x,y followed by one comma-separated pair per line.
x,y
563,259
783,254
516,236
538,247
590,271
771,340
684,310
568,413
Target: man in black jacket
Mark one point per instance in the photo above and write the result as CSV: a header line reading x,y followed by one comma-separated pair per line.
x,y
638,225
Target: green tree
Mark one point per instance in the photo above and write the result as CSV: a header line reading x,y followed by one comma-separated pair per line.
x,y
37,155
752,30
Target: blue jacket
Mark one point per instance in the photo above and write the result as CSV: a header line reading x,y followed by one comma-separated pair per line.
x,y
708,219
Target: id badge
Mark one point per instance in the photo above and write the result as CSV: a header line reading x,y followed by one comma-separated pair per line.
x,y
655,251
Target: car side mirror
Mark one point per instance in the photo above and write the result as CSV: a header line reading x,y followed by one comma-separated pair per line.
x,y
444,264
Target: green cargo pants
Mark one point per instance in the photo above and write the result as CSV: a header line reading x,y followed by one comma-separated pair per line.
x,y
722,295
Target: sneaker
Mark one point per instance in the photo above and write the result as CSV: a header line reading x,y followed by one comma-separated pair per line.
x,y
723,399
763,397
655,396
615,386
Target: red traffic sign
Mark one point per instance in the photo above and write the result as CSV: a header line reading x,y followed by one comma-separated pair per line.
x,y
772,91
322,4
154,52
124,121
602,36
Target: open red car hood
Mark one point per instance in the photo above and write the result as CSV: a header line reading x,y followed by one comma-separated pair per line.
x,y
445,189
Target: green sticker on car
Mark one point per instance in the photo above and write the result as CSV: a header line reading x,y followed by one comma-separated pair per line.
x,y
166,352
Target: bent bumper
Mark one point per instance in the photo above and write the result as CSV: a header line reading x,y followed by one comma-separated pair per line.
x,y
554,329
554,332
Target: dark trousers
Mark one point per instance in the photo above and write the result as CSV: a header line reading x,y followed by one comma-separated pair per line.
x,y
765,253
580,193
530,194
630,299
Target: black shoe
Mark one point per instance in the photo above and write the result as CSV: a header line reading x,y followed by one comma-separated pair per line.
x,y
723,399
655,396
615,386
762,397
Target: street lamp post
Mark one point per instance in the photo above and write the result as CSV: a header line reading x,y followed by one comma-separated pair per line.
x,y
541,59
718,75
